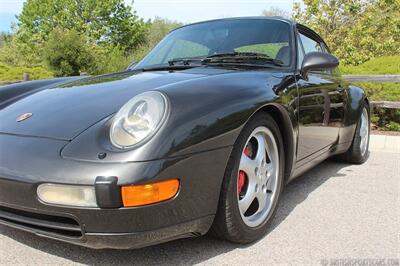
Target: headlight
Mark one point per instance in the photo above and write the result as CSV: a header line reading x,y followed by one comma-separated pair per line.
x,y
69,195
139,119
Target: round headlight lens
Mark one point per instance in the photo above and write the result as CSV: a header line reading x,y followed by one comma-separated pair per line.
x,y
139,119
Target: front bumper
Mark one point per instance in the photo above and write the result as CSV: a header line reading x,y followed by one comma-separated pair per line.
x,y
66,229
31,161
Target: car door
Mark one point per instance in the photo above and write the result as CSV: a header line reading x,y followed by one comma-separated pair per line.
x,y
320,103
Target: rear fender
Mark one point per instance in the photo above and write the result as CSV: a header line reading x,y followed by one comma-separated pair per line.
x,y
356,98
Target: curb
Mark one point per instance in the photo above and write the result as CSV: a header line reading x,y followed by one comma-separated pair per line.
x,y
384,143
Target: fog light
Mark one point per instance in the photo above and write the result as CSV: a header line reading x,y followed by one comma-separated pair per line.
x,y
79,196
148,194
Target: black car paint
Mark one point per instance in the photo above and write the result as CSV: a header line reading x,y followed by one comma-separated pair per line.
x,y
210,106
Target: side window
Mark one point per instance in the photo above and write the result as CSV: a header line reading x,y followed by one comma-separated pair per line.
x,y
310,45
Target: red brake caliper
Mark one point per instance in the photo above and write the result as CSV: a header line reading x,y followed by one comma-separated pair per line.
x,y
241,181
242,174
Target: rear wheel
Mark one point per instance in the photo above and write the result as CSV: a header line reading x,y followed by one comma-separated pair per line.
x,y
359,150
252,184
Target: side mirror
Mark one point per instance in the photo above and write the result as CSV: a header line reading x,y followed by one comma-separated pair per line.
x,y
318,61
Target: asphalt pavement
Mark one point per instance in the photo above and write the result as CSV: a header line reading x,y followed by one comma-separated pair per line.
x,y
332,215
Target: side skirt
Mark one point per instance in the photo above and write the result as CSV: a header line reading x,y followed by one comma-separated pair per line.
x,y
306,164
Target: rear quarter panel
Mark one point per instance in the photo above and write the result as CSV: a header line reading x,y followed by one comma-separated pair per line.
x,y
356,98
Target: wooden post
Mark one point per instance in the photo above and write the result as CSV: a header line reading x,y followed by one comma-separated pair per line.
x,y
25,76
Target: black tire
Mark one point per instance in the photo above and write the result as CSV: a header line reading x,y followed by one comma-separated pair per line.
x,y
354,155
228,223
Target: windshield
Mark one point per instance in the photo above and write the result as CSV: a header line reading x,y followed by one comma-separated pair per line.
x,y
262,36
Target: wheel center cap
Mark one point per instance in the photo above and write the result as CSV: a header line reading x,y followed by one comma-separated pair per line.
x,y
262,173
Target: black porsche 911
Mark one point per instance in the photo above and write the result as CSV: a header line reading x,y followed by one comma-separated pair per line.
x,y
201,135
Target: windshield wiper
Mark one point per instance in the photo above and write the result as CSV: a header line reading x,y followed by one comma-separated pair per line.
x,y
246,59
241,57
235,54
163,67
231,58
185,61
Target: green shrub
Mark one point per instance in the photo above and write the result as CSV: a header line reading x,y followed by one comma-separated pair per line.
x,y
386,119
393,126
11,73
375,119
67,53
110,59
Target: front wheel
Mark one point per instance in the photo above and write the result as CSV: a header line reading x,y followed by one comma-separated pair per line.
x,y
253,182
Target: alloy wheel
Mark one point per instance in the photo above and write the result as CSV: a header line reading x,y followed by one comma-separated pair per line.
x,y
258,177
364,131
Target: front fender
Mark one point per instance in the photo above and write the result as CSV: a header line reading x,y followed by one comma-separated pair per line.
x,y
204,116
14,92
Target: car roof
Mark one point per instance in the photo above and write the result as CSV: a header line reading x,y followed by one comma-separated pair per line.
x,y
278,18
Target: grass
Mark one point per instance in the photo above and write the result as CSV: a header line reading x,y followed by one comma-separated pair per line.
x,y
381,91
378,66
382,118
11,73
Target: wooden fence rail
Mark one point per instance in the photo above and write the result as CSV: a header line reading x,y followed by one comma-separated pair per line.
x,y
385,104
372,78
377,79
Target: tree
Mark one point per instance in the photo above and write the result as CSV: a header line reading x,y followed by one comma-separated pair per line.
x,y
376,33
275,12
107,21
113,59
110,28
21,49
158,28
67,53
355,30
5,38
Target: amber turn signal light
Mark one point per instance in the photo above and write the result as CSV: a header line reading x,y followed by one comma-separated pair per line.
x,y
139,195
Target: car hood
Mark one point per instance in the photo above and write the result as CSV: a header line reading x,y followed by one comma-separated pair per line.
x,y
64,111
